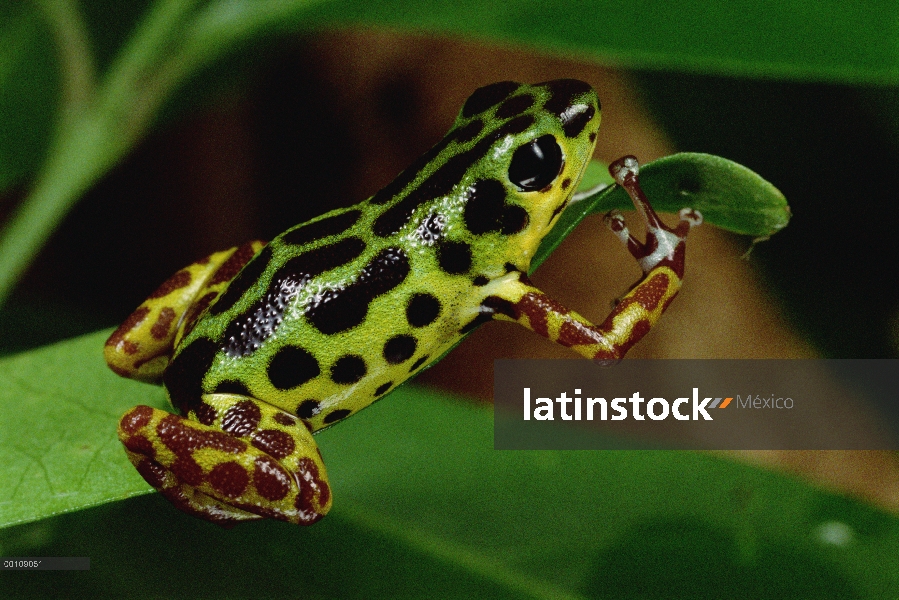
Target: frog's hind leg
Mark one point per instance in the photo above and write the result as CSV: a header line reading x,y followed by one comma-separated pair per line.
x,y
233,458
661,257
142,346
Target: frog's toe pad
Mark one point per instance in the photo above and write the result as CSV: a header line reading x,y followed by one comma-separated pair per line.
x,y
208,473
691,216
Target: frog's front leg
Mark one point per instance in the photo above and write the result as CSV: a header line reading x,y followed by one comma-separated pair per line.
x,y
661,257
142,346
233,458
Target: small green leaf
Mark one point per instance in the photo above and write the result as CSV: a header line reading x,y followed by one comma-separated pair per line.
x,y
728,195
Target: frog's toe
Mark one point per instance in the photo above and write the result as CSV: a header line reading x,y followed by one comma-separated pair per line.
x,y
692,216
664,246
187,498
216,476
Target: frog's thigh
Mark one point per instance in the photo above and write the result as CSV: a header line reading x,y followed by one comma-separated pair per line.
x,y
238,459
520,301
142,346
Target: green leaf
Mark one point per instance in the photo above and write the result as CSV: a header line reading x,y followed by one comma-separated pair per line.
x,y
728,195
58,409
424,507
830,41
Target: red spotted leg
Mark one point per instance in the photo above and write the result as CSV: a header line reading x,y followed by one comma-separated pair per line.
x,y
661,257
141,348
232,458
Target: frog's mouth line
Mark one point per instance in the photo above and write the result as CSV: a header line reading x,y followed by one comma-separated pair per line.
x,y
559,209
572,196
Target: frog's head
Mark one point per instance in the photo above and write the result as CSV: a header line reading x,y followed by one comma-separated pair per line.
x,y
498,181
534,142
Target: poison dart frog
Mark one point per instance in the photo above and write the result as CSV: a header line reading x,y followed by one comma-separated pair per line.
x,y
262,345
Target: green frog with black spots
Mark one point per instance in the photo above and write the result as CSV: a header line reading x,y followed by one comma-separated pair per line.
x,y
262,345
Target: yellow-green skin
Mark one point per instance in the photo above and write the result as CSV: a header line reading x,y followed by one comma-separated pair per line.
x,y
334,313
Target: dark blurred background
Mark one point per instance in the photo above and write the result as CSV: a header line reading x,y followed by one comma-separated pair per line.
x,y
307,125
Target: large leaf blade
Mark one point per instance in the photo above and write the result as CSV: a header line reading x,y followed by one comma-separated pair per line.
x,y
58,411
416,481
791,39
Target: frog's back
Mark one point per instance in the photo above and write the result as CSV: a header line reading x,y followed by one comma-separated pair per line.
x,y
334,313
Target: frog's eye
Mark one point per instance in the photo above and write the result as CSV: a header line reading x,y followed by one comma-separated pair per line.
x,y
536,164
